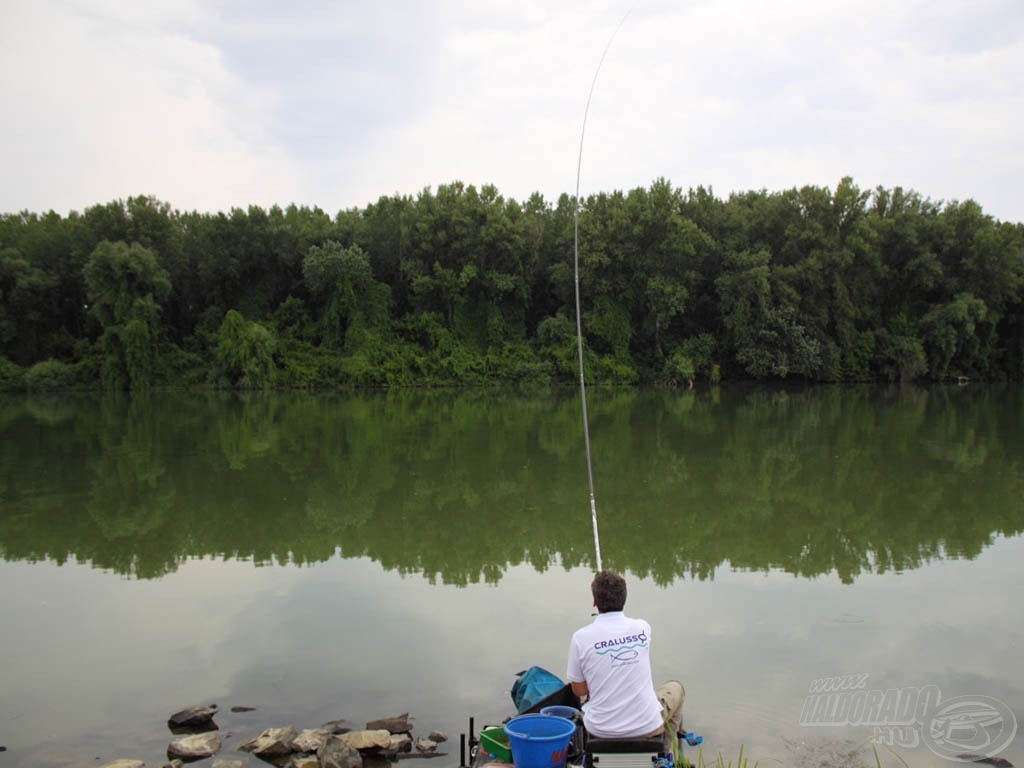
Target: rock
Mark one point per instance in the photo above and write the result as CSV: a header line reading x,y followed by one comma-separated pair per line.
x,y
193,717
243,709
336,726
338,754
273,742
304,761
310,740
175,763
124,764
227,762
425,745
398,724
438,736
379,739
400,742
196,746
998,762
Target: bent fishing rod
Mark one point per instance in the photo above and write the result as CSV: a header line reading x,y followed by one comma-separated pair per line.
x,y
576,276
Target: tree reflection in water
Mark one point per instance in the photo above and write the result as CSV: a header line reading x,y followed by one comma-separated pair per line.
x,y
460,485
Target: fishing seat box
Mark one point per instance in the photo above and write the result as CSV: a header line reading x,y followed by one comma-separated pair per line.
x,y
622,753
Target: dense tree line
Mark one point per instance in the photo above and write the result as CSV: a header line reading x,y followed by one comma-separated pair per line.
x,y
461,285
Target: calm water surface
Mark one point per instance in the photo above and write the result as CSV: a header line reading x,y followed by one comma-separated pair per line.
x,y
325,557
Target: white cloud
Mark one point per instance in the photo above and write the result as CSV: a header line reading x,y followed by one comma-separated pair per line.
x,y
216,104
733,95
107,101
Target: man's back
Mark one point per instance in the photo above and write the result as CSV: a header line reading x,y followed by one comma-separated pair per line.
x,y
612,656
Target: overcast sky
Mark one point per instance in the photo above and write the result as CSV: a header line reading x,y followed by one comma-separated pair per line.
x,y
210,104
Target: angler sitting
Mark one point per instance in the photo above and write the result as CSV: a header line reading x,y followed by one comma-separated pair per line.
x,y
609,662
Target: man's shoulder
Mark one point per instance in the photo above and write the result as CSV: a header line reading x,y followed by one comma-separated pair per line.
x,y
611,623
584,630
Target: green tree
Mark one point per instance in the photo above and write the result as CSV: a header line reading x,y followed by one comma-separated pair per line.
x,y
670,248
26,294
245,353
351,301
950,335
125,285
899,352
460,285
744,296
387,236
906,228
778,346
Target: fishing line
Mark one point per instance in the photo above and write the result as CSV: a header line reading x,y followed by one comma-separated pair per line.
x,y
576,275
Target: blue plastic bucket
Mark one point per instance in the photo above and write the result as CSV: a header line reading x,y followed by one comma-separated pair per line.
x,y
560,710
539,741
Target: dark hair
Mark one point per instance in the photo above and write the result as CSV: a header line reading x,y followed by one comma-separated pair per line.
x,y
609,590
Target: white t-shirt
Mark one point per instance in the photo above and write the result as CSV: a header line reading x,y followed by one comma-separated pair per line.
x,y
612,656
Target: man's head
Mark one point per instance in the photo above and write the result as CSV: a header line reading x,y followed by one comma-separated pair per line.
x,y
609,590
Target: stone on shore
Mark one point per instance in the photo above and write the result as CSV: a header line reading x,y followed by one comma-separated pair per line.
x,y
193,717
310,740
227,762
400,742
336,726
124,764
273,742
397,724
425,745
438,736
378,739
196,746
998,762
336,753
304,761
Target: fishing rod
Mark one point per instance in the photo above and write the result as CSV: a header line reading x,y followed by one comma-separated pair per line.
x,y
576,275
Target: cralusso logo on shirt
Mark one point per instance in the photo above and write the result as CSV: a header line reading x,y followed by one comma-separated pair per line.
x,y
622,650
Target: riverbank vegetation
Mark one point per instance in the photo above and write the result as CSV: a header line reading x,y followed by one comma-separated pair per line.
x,y
460,285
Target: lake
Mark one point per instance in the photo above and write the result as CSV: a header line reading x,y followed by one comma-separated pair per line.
x,y
356,556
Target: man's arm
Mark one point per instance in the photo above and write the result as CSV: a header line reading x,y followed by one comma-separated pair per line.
x,y
574,671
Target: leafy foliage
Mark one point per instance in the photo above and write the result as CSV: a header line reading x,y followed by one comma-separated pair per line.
x,y
460,285
245,353
11,376
50,374
124,284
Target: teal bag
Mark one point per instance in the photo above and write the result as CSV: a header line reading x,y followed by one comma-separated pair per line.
x,y
532,686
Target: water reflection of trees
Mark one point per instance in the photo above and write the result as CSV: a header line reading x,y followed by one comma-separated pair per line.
x,y
459,486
